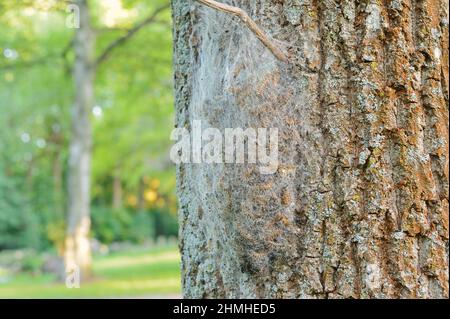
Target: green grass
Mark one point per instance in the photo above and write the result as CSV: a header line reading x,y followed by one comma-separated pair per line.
x,y
152,272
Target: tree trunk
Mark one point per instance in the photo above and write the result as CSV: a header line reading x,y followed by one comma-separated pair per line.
x,y
358,207
77,249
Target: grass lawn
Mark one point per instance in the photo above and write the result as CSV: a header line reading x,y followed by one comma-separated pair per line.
x,y
153,272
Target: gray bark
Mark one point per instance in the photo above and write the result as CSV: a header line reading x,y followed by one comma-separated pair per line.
x,y
359,205
77,248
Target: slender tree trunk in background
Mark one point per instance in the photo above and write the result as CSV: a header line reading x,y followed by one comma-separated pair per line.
x,y
358,207
117,193
77,248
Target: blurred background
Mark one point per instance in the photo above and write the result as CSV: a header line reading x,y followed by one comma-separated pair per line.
x,y
133,234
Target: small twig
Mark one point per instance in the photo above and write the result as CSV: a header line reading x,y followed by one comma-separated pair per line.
x,y
241,14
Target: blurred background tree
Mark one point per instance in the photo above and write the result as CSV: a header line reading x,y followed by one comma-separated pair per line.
x,y
132,181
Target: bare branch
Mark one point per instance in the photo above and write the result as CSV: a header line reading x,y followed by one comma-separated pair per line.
x,y
151,19
119,29
241,14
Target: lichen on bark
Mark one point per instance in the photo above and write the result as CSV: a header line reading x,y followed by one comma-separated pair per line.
x,y
359,205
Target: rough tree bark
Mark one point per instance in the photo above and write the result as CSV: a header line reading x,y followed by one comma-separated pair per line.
x,y
359,205
77,247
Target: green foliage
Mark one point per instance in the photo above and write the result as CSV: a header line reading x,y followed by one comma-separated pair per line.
x,y
32,263
144,272
110,225
130,225
142,227
17,223
25,260
132,121
165,224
